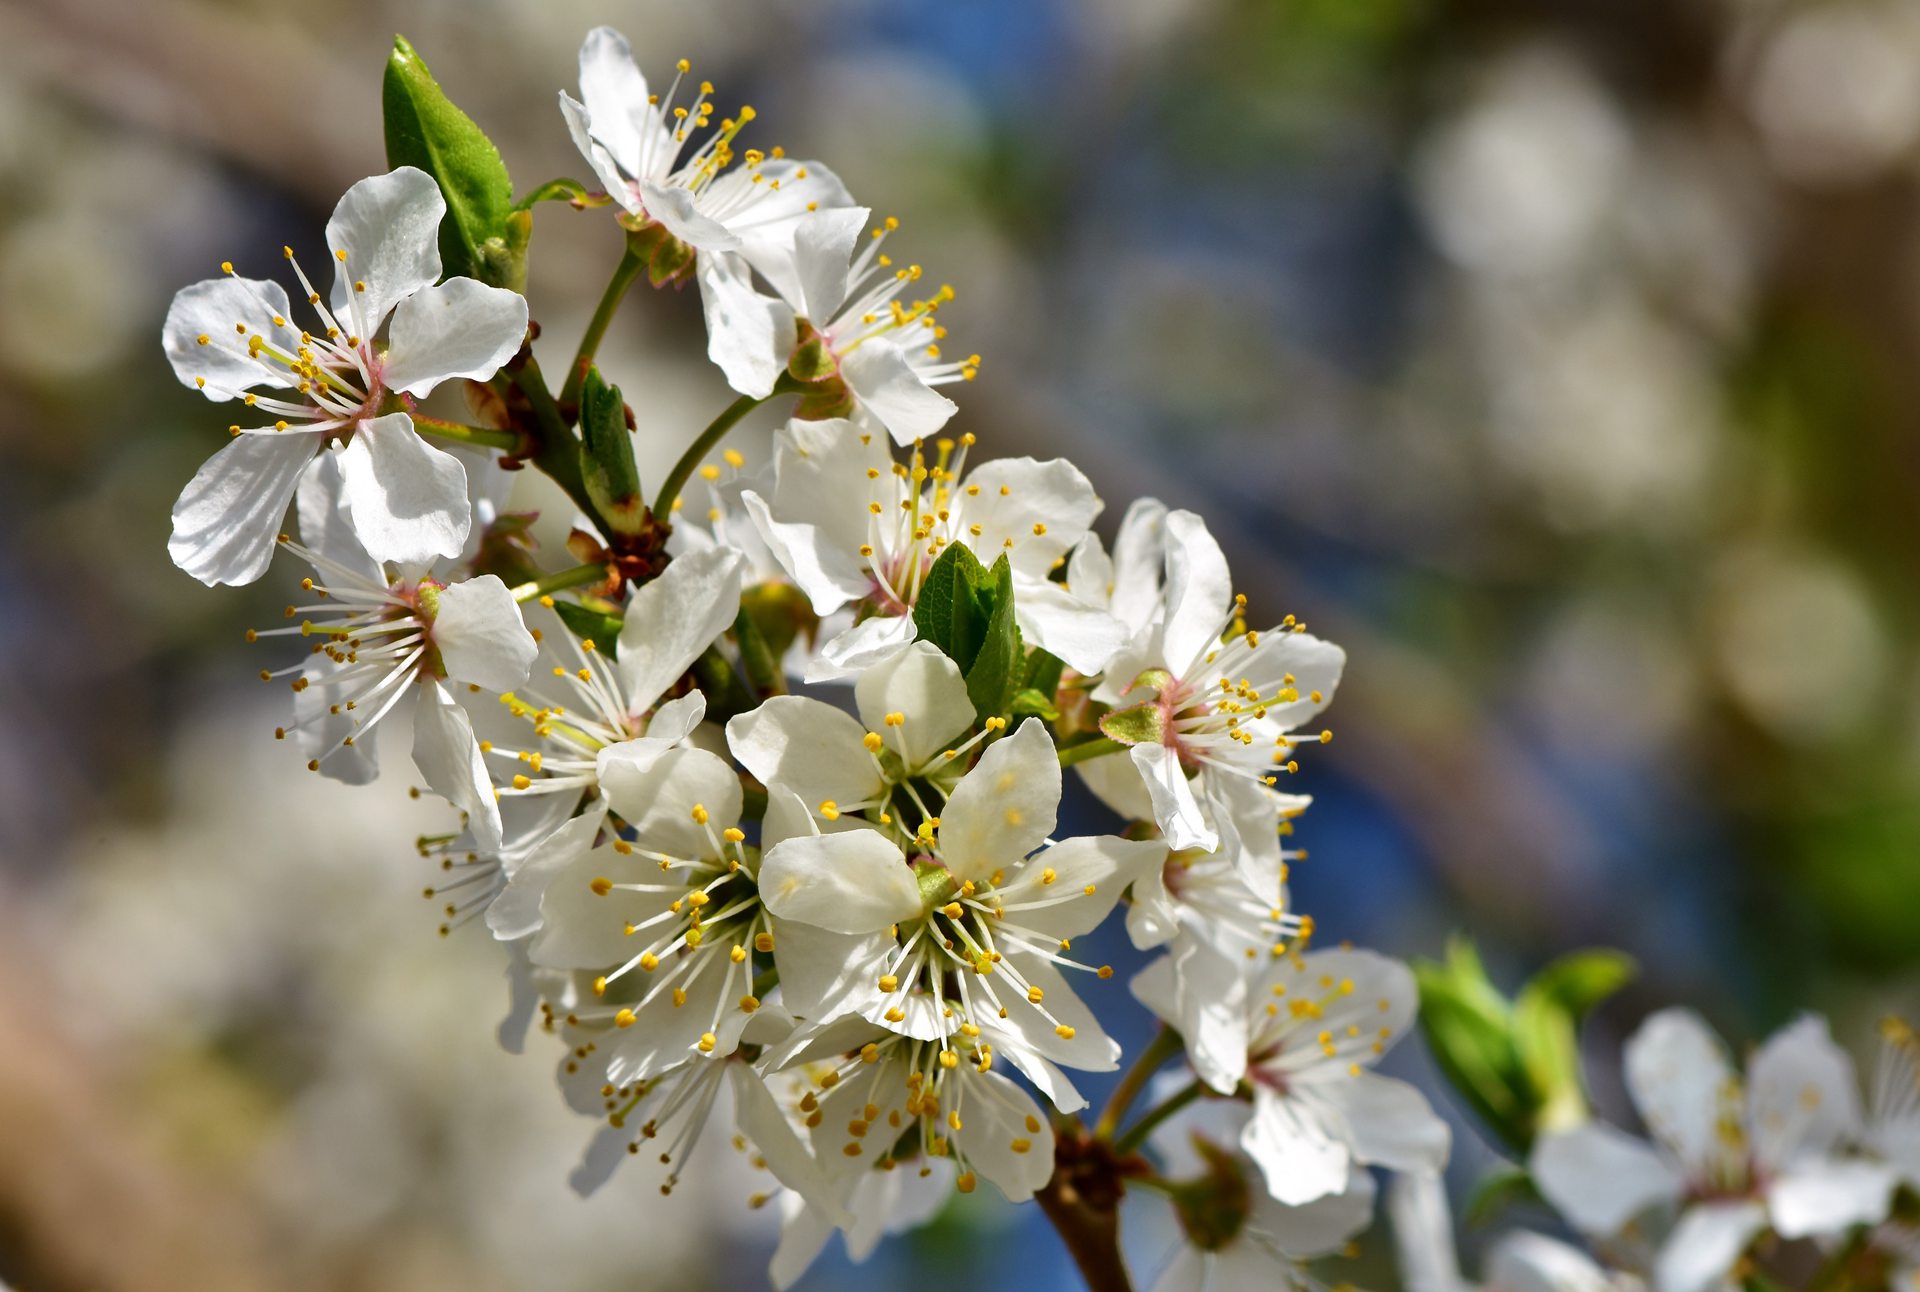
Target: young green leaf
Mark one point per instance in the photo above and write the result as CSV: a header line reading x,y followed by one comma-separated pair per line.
x,y
596,626
946,612
425,129
606,456
993,674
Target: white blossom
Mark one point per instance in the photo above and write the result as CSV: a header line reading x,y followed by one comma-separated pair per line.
x,y
637,143
1313,1026
961,937
852,526
1517,1261
234,339
1732,1159
381,637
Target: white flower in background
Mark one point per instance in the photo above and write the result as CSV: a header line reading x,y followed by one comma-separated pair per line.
x,y
1314,1025
960,938
377,636
665,914
1517,1261
636,142
1892,1129
1211,721
1733,1159
867,354
854,527
234,339
914,716
1236,1236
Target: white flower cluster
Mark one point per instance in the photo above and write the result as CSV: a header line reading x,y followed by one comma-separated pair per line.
x,y
1789,1153
852,931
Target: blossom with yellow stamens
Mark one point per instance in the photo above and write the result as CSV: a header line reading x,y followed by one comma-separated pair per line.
x,y
387,331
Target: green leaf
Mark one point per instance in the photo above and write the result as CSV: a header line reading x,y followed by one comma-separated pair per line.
x,y
993,674
757,659
1043,673
1546,1016
948,612
606,456
425,129
1029,703
1502,1187
1468,1026
596,626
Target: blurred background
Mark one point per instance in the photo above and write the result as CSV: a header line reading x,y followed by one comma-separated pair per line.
x,y
1557,358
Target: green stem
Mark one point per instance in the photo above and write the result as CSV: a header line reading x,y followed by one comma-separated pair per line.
x,y
558,452
1164,1045
482,437
1098,747
631,263
715,432
1136,1134
576,577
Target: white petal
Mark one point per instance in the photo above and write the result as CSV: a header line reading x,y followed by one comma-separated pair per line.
x,y
1802,1094
856,882
1522,1262
823,248
389,226
1019,494
679,212
749,334
766,1127
1705,1244
824,974
803,1236
515,914
673,619
605,167
1139,563
606,1150
998,1115
809,747
677,719
449,759
1175,809
1004,807
1600,1178
229,515
1317,1228
1056,620
481,639
1314,665
1390,1123
1199,591
325,527
1678,1075
821,479
890,391
1202,994
921,682
866,645
1828,1196
211,309
579,928
1089,873
408,500
322,724
830,576
614,95
1296,1150
658,800
1423,1234
1116,782
462,328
